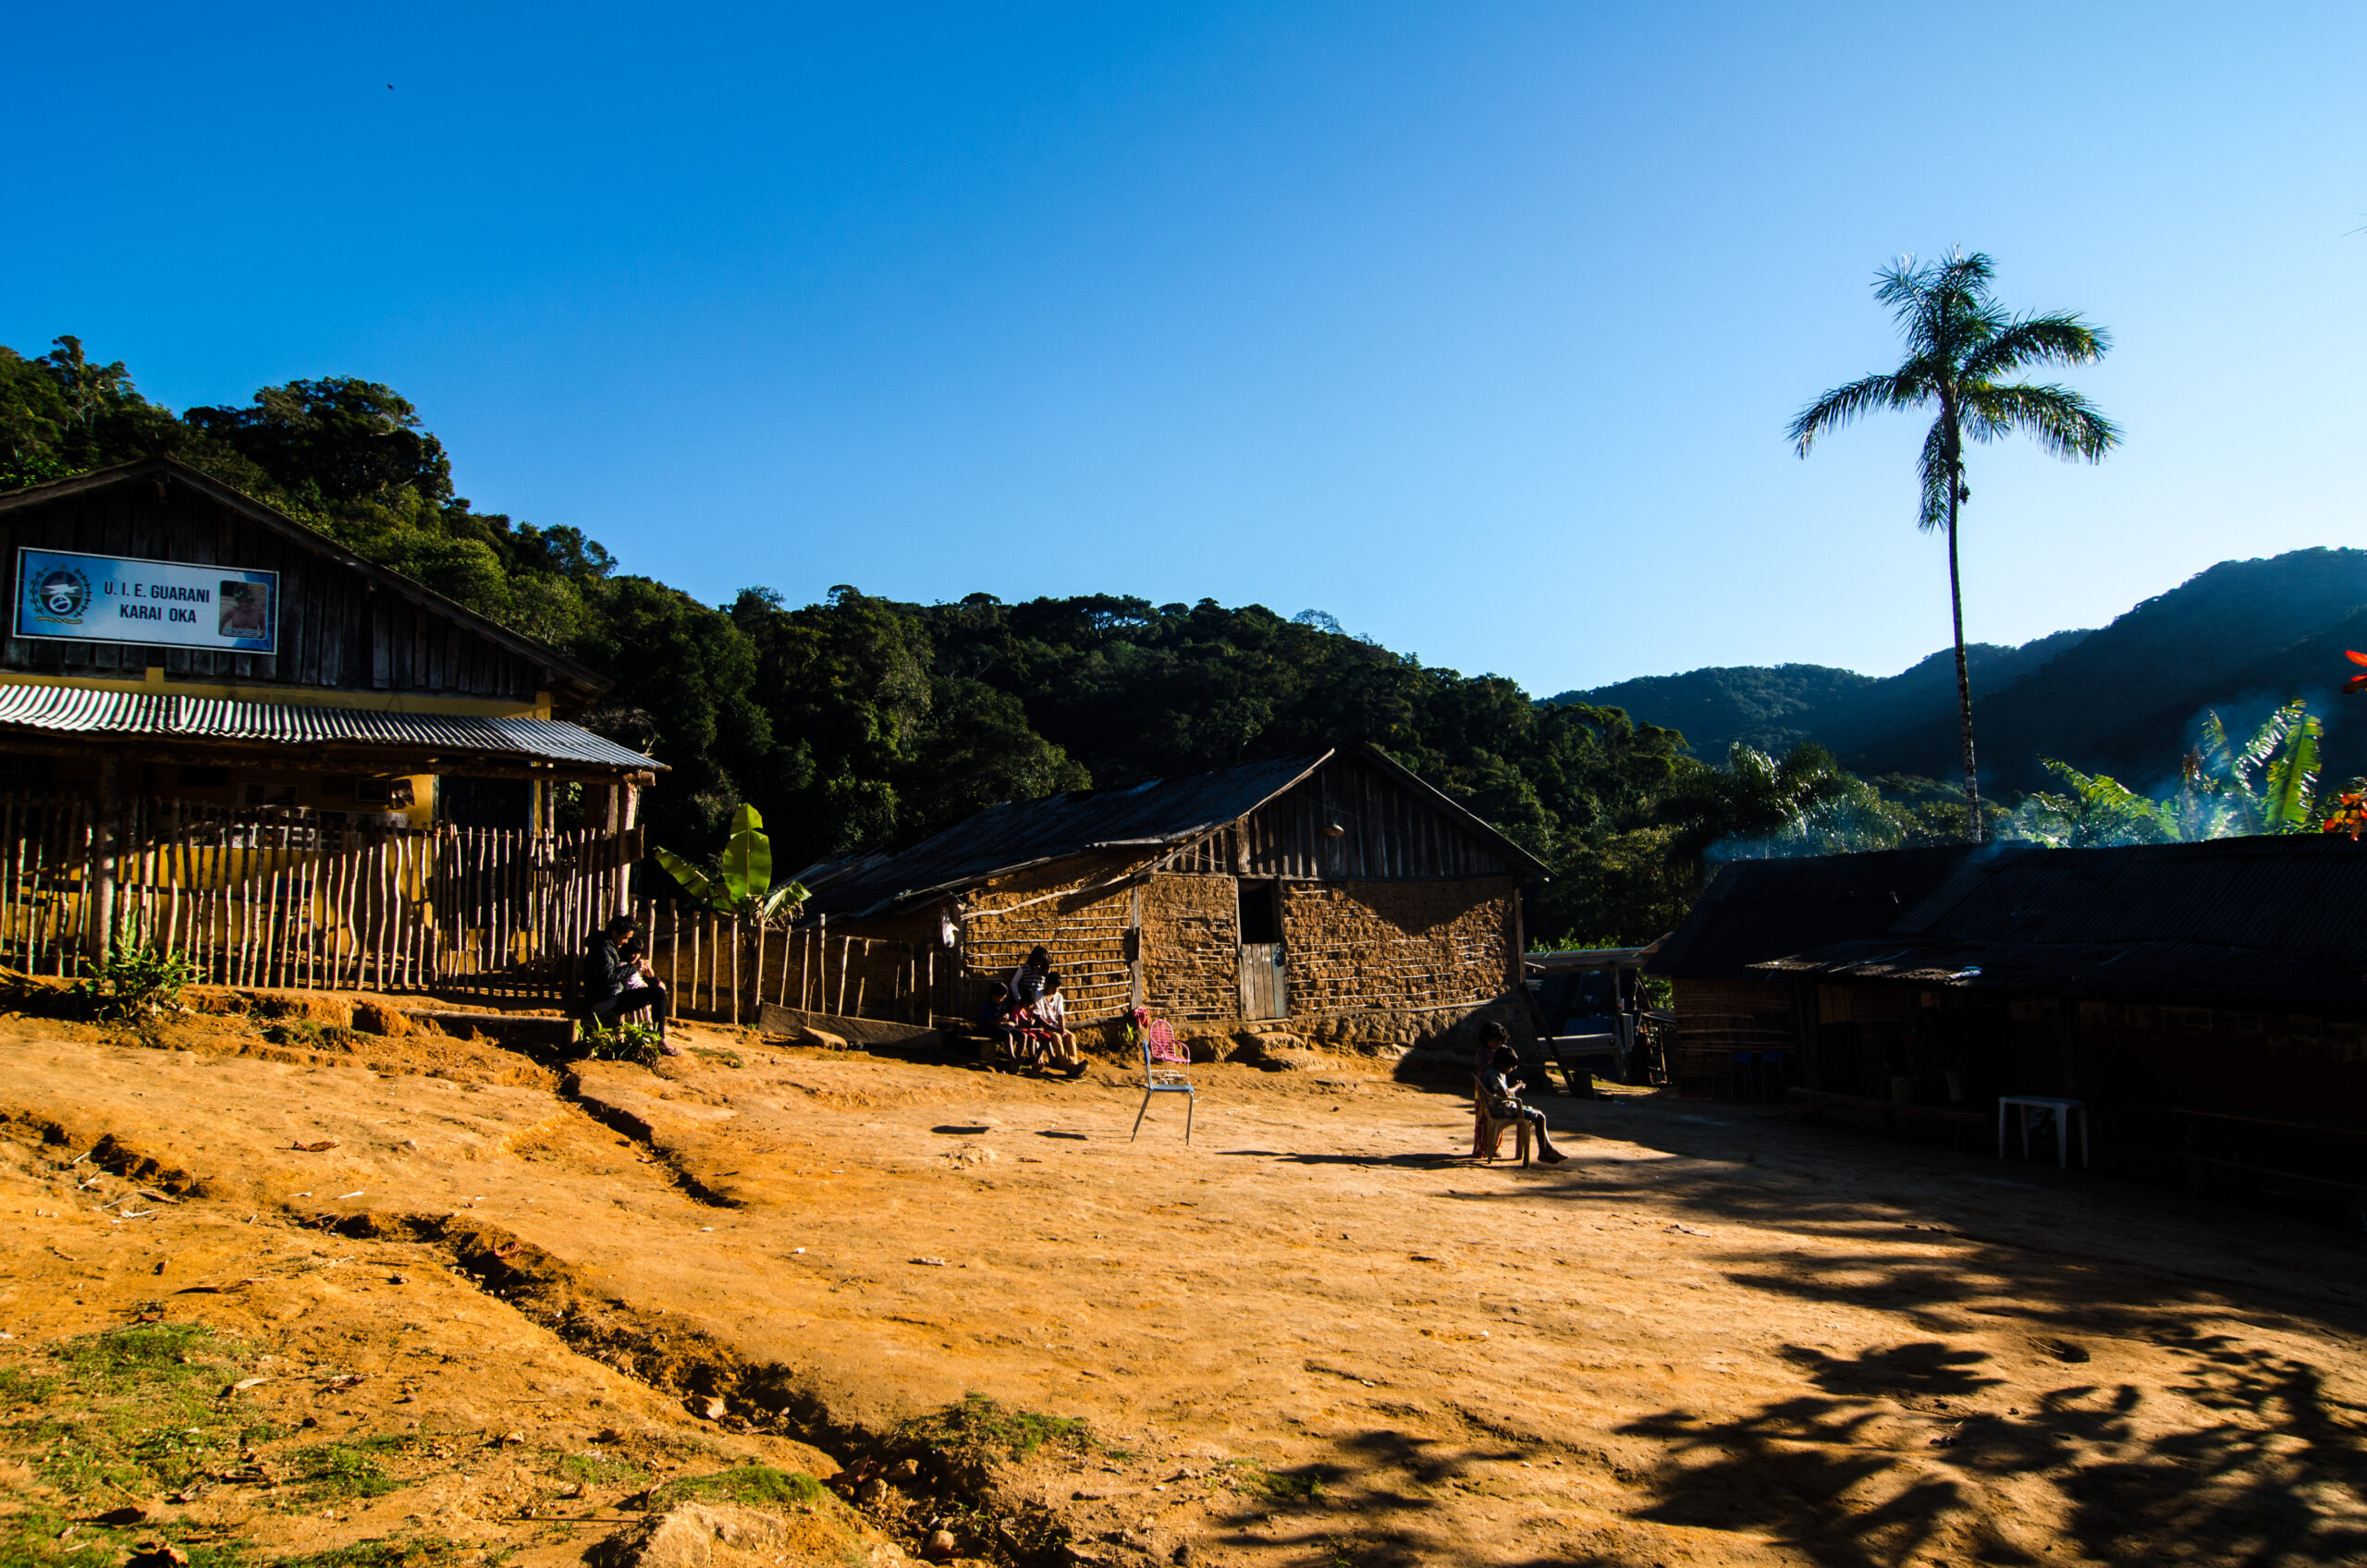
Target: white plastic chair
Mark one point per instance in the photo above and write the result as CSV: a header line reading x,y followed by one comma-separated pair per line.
x,y
1159,1045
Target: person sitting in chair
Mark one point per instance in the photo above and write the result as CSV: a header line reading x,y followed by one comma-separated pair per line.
x,y
1501,1096
618,982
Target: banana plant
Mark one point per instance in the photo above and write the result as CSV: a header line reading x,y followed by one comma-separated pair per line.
x,y
741,886
2284,750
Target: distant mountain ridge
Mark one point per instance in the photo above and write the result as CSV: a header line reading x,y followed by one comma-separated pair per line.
x,y
1777,707
2127,699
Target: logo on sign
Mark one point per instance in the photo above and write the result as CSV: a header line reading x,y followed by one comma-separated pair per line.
x,y
62,594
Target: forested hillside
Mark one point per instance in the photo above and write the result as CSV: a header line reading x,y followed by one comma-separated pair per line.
x,y
2128,700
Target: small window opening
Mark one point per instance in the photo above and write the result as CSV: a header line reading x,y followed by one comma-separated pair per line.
x,y
1261,912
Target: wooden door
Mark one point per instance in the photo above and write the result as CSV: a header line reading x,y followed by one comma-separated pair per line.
x,y
1265,981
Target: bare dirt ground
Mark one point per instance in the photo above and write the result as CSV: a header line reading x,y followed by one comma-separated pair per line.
x,y
514,1300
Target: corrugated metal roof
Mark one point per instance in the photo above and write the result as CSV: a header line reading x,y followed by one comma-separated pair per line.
x,y
2268,919
1755,910
81,710
1005,838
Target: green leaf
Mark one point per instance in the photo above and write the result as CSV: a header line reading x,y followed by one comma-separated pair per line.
x,y
2292,783
787,898
748,859
696,883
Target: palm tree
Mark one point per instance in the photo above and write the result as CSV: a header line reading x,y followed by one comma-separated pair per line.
x,y
1960,343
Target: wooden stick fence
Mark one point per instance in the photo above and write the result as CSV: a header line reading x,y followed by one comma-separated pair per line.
x,y
720,969
280,898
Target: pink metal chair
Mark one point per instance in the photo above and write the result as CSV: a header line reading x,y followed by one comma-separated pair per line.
x,y
1156,1037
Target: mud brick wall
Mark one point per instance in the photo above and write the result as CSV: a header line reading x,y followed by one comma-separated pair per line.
x,y
1068,907
1362,945
1192,947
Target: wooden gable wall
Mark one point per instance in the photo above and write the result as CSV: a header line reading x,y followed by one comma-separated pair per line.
x,y
337,627
1391,834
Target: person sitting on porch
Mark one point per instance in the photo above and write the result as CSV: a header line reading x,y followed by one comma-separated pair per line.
x,y
1052,1017
1502,1096
997,1021
1027,980
618,982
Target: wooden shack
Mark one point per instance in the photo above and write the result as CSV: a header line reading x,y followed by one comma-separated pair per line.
x,y
224,732
1336,892
2206,1003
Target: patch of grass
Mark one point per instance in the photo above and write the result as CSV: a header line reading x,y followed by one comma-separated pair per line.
x,y
976,1427
729,1059
598,1469
749,1485
1281,1485
338,1470
126,1414
414,1551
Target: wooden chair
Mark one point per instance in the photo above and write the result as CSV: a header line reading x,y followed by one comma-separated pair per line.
x,y
1156,1037
1488,1131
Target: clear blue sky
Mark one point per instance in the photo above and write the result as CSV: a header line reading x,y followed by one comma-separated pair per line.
x,y
1473,325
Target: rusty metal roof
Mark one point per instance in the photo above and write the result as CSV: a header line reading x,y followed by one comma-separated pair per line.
x,y
164,715
1007,838
2266,919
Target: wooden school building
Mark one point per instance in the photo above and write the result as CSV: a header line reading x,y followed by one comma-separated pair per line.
x,y
224,733
1336,895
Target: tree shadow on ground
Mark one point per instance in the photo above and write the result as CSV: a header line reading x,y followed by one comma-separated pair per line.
x,y
1376,1504
1863,1474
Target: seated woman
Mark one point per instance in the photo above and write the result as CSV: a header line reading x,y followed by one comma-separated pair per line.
x,y
998,1020
1052,1017
618,982
1502,1098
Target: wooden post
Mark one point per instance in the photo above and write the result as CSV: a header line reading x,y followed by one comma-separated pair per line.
x,y
103,847
846,957
1134,954
805,962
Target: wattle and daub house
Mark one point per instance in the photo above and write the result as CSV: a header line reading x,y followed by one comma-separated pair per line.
x,y
2207,1002
1338,893
223,732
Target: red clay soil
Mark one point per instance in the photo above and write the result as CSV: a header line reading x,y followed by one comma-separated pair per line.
x,y
1314,1335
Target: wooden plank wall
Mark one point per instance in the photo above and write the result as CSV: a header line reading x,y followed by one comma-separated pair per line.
x,y
336,628
1390,833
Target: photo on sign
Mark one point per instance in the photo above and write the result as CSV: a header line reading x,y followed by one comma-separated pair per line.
x,y
246,608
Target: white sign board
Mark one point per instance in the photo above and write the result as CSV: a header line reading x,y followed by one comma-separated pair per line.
x,y
162,603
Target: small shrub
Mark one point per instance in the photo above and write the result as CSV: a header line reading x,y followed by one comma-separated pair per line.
x,y
623,1041
136,983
